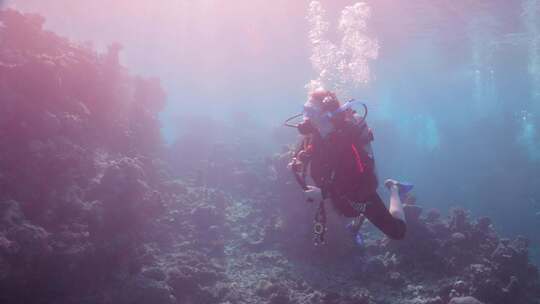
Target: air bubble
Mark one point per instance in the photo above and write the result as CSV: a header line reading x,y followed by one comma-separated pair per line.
x,y
342,67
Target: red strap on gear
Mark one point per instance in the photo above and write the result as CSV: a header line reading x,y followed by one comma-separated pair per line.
x,y
358,160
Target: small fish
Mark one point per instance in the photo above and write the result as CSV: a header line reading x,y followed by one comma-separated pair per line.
x,y
538,213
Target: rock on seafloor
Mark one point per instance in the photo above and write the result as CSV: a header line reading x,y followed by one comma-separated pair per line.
x,y
464,300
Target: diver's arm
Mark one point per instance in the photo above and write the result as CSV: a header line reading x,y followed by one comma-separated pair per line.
x,y
299,147
313,194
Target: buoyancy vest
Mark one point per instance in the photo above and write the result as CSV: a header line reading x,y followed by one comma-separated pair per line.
x,y
342,164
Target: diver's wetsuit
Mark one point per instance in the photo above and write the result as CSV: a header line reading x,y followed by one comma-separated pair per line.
x,y
345,172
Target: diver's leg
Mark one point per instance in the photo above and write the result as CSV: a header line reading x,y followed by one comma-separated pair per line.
x,y
393,226
396,207
397,190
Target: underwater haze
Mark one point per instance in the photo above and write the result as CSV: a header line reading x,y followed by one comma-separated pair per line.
x,y
144,156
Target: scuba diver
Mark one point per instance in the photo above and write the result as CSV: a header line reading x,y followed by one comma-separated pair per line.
x,y
335,152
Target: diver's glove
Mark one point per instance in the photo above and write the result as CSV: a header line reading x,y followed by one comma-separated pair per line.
x,y
313,194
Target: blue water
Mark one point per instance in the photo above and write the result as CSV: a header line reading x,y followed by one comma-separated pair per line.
x,y
454,103
461,84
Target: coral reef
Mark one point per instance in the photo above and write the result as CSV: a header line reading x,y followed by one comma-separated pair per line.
x,y
78,166
95,209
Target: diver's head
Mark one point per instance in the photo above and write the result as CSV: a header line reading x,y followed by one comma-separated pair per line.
x,y
323,113
318,113
324,100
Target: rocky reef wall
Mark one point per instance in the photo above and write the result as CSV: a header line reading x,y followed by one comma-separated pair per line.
x,y
78,165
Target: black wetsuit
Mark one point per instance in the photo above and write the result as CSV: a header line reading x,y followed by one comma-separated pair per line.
x,y
345,172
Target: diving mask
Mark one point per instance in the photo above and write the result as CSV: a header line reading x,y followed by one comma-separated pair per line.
x,y
313,114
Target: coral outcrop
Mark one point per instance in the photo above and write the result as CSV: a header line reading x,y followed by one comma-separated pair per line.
x,y
78,171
